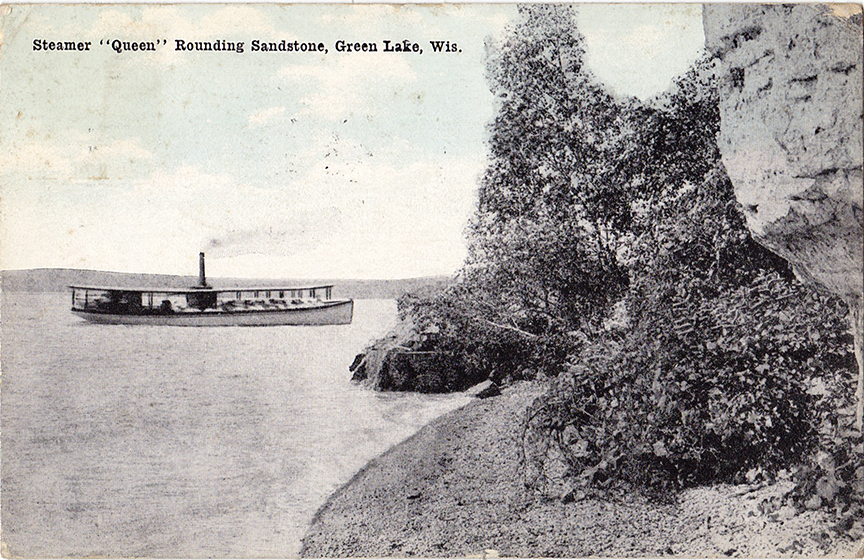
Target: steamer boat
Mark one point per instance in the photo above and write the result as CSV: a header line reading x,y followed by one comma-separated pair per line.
x,y
205,306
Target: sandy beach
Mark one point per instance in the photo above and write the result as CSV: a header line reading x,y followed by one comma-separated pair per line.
x,y
454,489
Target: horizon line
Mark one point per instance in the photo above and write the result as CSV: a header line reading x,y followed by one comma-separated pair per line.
x,y
346,279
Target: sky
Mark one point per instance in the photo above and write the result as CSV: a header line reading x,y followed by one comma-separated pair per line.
x,y
281,165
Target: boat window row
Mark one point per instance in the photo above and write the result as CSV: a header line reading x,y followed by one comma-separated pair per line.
x,y
159,303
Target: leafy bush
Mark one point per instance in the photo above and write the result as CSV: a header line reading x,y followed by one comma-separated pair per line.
x,y
706,393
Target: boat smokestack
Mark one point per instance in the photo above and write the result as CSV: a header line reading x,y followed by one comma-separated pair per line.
x,y
202,279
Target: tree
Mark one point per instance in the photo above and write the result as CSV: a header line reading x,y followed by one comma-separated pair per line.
x,y
553,208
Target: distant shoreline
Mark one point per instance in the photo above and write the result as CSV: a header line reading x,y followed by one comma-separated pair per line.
x,y
57,280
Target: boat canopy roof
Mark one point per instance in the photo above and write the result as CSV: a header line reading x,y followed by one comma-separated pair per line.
x,y
198,290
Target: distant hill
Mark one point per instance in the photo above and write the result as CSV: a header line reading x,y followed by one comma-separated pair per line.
x,y
57,279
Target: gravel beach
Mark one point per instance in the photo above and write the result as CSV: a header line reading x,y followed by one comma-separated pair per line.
x,y
454,489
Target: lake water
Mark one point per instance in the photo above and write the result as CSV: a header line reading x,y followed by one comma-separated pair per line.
x,y
183,442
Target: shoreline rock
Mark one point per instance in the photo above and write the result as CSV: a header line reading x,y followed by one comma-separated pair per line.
x,y
484,390
388,367
406,360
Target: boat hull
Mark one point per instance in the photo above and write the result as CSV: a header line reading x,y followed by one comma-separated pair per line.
x,y
328,313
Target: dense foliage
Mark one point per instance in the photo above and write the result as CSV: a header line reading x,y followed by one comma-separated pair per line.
x,y
608,253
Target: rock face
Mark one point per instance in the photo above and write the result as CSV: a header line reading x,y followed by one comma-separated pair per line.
x,y
407,360
388,367
791,131
790,80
